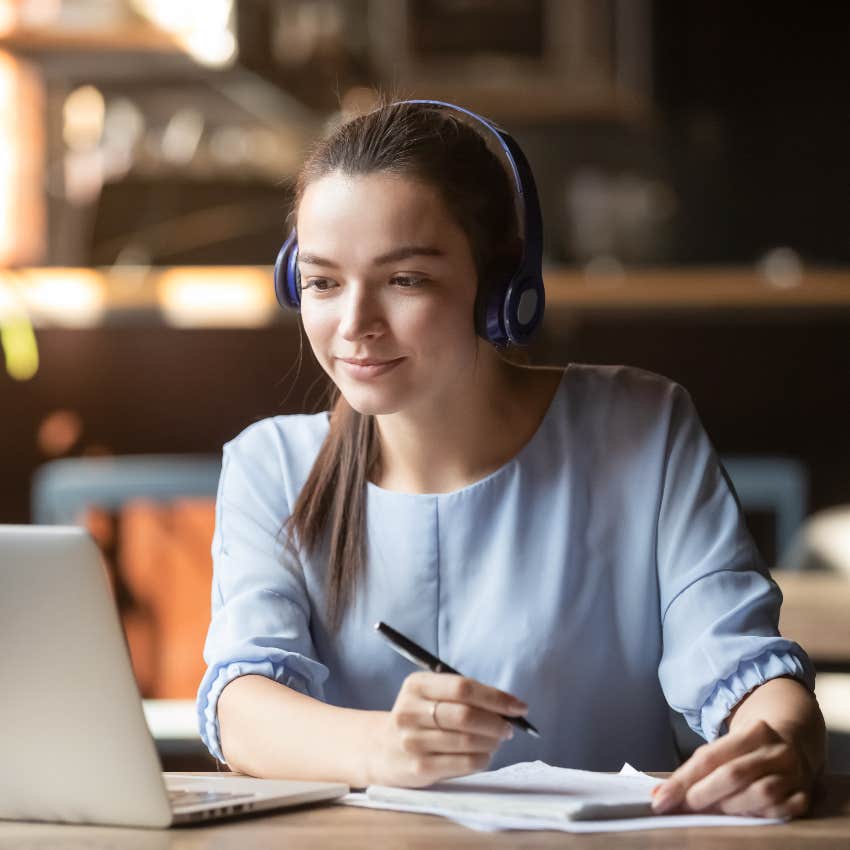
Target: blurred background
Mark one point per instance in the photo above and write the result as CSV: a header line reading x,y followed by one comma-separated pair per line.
x,y
693,171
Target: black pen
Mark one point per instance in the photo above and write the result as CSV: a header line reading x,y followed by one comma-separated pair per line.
x,y
422,658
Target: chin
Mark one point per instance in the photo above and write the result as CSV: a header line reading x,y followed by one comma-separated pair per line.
x,y
377,398
370,403
369,407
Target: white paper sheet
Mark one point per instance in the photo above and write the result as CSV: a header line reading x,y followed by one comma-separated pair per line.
x,y
553,798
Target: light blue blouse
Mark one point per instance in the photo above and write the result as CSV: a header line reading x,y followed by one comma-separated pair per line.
x,y
601,574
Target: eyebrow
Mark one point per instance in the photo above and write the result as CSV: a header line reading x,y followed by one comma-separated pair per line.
x,y
402,253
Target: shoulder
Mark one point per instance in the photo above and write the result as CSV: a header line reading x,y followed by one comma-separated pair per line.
x,y
624,401
281,437
626,387
277,452
620,383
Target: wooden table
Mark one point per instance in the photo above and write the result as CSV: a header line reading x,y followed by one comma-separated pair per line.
x,y
336,826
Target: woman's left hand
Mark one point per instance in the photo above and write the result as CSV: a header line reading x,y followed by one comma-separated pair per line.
x,y
750,771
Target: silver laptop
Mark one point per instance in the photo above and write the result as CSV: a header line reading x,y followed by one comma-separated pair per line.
x,y
75,745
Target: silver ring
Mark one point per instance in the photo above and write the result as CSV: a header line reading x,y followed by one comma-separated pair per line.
x,y
434,713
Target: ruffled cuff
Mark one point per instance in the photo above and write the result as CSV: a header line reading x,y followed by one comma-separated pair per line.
x,y
710,720
207,704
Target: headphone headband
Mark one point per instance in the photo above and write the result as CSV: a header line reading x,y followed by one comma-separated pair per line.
x,y
514,309
526,188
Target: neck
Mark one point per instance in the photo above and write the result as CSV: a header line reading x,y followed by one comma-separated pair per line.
x,y
478,425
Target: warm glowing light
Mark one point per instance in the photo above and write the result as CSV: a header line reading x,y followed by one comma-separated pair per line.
x,y
781,267
83,115
123,123
22,212
182,135
58,432
9,155
203,27
8,16
15,13
71,297
210,46
223,297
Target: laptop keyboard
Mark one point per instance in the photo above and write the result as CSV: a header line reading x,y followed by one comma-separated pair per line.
x,y
183,797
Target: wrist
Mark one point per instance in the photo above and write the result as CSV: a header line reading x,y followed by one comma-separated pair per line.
x,y
809,747
374,734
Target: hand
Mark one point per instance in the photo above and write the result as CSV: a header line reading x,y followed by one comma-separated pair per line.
x,y
752,771
440,726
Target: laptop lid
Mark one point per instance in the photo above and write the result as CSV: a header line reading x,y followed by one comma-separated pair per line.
x,y
75,741
76,745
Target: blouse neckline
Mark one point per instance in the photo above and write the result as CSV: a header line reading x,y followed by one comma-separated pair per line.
x,y
493,476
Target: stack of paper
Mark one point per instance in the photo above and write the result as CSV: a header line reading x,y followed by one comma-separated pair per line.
x,y
533,795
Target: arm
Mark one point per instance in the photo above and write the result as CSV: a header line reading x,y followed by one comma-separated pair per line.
x,y
767,763
272,731
724,663
331,743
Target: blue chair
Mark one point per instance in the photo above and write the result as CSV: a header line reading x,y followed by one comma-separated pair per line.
x,y
63,489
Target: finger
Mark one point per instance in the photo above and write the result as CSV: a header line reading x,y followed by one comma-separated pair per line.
x,y
755,804
739,774
415,713
432,768
707,758
434,742
458,717
794,806
452,688
446,687
763,795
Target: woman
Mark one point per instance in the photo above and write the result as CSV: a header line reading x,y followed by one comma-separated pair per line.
x,y
564,536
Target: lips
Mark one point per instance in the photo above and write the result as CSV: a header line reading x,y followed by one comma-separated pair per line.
x,y
367,361
367,368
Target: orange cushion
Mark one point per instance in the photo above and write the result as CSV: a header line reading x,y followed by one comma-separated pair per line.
x,y
162,577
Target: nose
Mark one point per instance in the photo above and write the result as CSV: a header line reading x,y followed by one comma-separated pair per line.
x,y
361,314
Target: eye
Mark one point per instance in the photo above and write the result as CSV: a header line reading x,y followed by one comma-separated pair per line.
x,y
320,284
406,282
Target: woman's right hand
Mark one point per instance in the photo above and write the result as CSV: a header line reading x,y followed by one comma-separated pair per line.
x,y
441,726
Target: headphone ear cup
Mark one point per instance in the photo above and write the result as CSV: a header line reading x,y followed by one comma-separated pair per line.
x,y
489,311
523,306
490,299
287,278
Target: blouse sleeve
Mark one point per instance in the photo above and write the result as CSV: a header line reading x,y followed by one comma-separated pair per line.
x,y
719,606
260,610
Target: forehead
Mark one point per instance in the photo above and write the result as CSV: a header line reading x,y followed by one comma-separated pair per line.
x,y
379,208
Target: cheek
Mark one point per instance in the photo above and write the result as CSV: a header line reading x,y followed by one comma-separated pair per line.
x,y
447,328
319,330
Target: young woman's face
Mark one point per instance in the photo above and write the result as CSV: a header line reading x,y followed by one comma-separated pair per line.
x,y
388,290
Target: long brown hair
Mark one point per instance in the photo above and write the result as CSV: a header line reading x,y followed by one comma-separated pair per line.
x,y
431,145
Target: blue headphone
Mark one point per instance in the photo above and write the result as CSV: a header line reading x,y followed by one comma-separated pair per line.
x,y
511,311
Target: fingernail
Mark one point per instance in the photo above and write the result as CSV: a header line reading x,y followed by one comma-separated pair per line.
x,y
520,707
663,800
509,732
